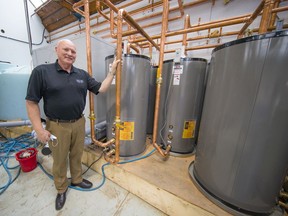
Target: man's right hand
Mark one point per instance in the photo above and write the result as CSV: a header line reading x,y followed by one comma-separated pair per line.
x,y
43,135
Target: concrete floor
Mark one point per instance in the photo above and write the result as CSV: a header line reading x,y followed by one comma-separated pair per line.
x,y
33,193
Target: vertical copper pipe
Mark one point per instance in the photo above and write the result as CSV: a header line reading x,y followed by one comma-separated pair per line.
x,y
118,86
186,26
159,79
89,65
266,16
251,18
150,51
273,16
181,7
89,70
113,35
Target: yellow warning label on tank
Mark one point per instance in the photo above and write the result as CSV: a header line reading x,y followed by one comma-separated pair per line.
x,y
127,133
189,129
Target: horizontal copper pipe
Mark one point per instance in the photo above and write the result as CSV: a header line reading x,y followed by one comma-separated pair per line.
x,y
222,34
188,5
282,204
195,48
158,14
212,24
94,17
145,26
284,195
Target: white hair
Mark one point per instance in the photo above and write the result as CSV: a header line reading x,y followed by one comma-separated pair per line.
x,y
64,40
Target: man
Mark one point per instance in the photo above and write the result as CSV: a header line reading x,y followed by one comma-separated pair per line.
x,y
64,89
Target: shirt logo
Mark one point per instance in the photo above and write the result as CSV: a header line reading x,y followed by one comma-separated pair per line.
x,y
79,81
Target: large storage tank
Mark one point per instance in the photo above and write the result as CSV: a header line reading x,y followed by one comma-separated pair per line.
x,y
241,156
182,104
134,103
13,87
151,99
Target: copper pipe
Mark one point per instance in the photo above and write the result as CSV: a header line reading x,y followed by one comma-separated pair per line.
x,y
101,13
159,80
118,86
188,5
181,7
282,204
79,4
266,16
146,26
145,19
113,35
143,45
284,194
89,69
95,17
274,15
130,21
198,25
132,46
186,25
195,48
280,9
128,48
213,24
150,51
251,18
232,33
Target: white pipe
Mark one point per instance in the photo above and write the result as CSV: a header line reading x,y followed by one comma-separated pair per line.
x,y
15,123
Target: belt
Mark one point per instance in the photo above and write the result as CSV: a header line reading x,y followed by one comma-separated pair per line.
x,y
64,121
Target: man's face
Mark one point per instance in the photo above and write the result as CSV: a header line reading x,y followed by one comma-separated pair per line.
x,y
66,52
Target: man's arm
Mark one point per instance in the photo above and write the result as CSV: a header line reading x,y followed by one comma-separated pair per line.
x,y
108,80
33,111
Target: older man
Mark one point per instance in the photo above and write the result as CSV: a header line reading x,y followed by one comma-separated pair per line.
x,y
63,88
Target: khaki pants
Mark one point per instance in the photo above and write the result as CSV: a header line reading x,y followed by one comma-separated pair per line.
x,y
69,145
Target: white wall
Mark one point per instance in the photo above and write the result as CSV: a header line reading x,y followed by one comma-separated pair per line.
x,y
13,23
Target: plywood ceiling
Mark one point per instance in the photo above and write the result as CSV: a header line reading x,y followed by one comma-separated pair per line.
x,y
58,13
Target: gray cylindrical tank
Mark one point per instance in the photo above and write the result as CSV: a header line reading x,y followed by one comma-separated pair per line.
x,y
241,157
182,104
134,103
151,99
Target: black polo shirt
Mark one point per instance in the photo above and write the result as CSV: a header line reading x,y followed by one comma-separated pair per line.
x,y
64,93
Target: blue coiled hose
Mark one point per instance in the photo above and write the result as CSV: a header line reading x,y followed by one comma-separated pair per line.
x,y
7,150
102,170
